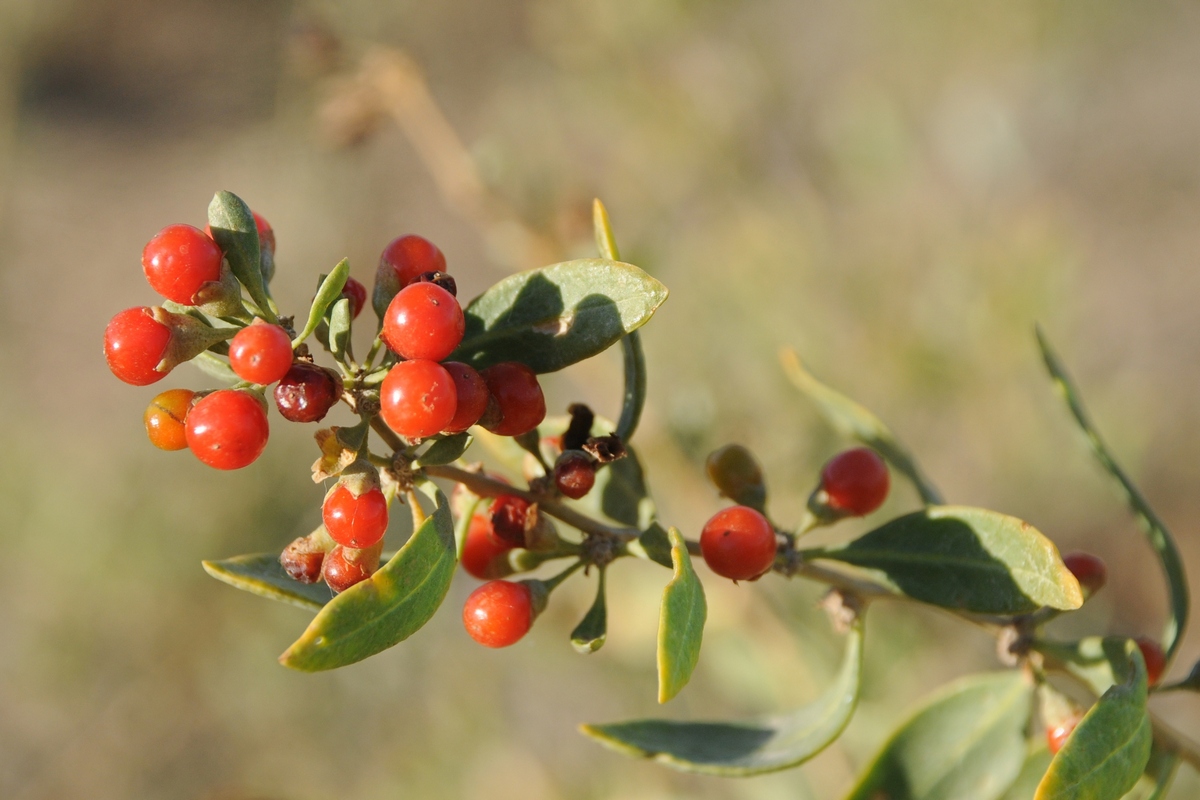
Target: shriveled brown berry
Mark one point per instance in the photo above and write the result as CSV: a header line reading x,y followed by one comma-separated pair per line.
x,y
302,560
442,279
510,515
574,474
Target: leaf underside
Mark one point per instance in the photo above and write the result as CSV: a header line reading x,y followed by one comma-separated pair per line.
x,y
680,622
261,574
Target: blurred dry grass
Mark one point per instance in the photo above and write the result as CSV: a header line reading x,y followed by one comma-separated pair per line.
x,y
898,189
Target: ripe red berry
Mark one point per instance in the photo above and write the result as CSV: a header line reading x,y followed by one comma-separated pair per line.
x,y
574,474
411,255
307,392
738,543
357,522
520,404
357,294
302,560
1156,660
341,571
261,353
165,419
856,481
481,546
472,393
266,234
423,321
134,344
417,399
1088,569
510,515
227,429
179,260
499,613
1057,735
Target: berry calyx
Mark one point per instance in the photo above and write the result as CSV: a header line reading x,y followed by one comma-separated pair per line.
x,y
302,560
738,543
510,519
357,294
410,255
261,353
499,613
1056,736
423,321
344,567
307,392
357,522
227,429
574,474
417,399
166,417
135,343
520,404
1088,569
855,482
482,547
179,260
472,396
1156,660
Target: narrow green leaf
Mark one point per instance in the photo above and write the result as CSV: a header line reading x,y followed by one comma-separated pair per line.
x,y
390,606
262,574
592,630
965,558
745,748
445,450
621,494
339,329
552,317
967,742
233,229
653,545
1031,774
1156,780
1156,532
216,367
1106,754
856,422
1086,659
680,622
327,294
606,243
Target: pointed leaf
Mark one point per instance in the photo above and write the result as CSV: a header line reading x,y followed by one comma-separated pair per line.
x,y
445,450
1031,774
262,574
233,229
216,367
965,558
1086,659
339,329
680,622
653,545
592,630
327,294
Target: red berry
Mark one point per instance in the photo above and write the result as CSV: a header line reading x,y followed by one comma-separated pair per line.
x,y
357,294
302,560
261,353
1056,736
574,474
341,571
266,235
165,419
1152,654
423,321
179,260
307,392
519,400
856,481
481,546
134,344
1088,569
738,543
227,429
417,399
357,522
509,519
472,393
411,255
499,613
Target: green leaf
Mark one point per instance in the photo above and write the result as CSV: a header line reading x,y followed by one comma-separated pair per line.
x,y
856,422
339,329
327,294
1031,774
965,558
552,317
234,231
1086,659
680,622
445,450
1156,532
1156,780
262,574
216,367
747,748
390,606
620,492
592,630
1106,754
653,545
967,742
606,243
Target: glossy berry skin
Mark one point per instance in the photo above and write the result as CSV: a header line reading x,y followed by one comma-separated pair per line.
x,y
509,520
409,256
165,419
227,429
134,344
856,481
472,395
261,353
423,321
340,572
307,392
499,613
357,522
1088,569
519,400
738,543
302,561
481,546
1057,736
1156,660
417,399
357,294
179,260
574,474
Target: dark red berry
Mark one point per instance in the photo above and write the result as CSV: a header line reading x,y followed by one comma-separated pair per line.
x,y
134,344
345,567
510,519
357,522
499,613
411,255
472,393
574,474
357,294
423,321
520,405
738,543
307,392
856,481
165,419
1156,660
261,353
481,546
1088,569
1057,735
179,260
227,429
417,399
442,279
302,560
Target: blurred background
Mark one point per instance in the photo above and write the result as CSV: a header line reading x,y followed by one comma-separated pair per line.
x,y
899,190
